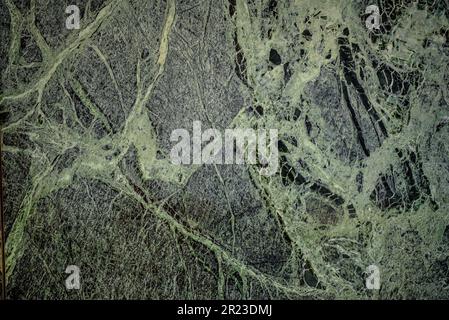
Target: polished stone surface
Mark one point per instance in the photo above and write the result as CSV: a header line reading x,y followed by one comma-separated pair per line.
x,y
363,121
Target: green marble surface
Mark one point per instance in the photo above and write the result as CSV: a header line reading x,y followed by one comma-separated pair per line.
x,y
363,121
